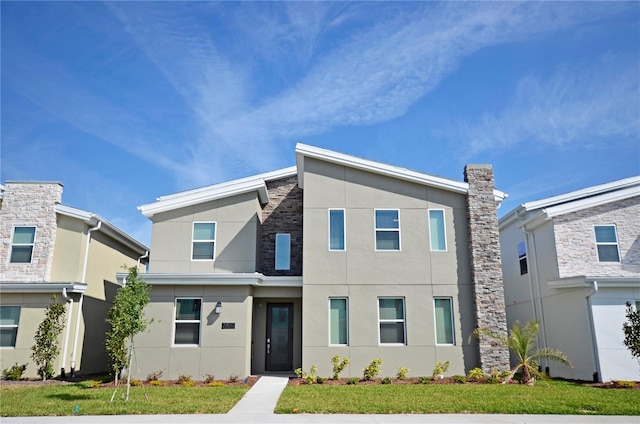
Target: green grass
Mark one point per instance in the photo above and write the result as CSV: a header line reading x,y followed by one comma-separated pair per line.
x,y
558,397
62,400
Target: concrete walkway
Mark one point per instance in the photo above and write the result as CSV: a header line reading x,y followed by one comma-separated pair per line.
x,y
262,398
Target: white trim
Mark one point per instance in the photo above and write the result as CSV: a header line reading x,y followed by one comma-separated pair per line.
x,y
16,326
616,243
444,225
588,281
16,287
376,229
255,279
175,321
344,229
215,232
403,320
346,299
13,243
435,321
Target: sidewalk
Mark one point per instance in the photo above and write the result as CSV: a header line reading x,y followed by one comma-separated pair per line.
x,y
258,403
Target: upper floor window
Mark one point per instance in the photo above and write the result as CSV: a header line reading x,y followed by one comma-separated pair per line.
x,y
204,240
522,258
436,230
391,320
187,322
9,318
22,245
336,229
387,229
607,243
338,321
283,252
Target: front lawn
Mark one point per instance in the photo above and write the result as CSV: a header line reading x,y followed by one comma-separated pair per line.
x,y
61,399
556,397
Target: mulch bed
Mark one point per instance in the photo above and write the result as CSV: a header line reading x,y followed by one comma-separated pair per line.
x,y
249,381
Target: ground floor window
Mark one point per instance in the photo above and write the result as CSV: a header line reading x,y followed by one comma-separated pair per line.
x,y
444,320
187,321
391,320
338,321
9,318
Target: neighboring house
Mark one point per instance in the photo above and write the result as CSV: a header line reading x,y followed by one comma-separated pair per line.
x,y
572,261
47,248
335,256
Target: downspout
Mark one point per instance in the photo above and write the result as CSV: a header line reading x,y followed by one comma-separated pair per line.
x,y
596,357
146,255
536,279
78,316
67,332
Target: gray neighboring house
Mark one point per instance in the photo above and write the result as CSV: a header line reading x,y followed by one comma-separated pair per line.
x,y
336,255
572,261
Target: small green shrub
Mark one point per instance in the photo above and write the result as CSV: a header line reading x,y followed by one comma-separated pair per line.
x,y
184,378
425,380
320,380
353,380
386,380
189,383
624,384
15,372
475,374
233,377
216,384
136,383
94,384
460,379
440,369
157,383
208,378
492,380
402,373
155,375
309,378
372,370
338,365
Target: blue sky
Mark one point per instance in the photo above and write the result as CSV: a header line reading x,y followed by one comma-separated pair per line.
x,y
126,101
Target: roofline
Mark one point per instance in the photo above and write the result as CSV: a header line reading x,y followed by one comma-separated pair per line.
x,y
216,191
304,150
255,279
590,281
18,287
107,227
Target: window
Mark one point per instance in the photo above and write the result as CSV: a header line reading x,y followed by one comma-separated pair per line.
x,y
9,317
391,319
522,258
387,229
436,230
338,321
607,243
22,245
336,229
444,320
283,252
187,322
204,241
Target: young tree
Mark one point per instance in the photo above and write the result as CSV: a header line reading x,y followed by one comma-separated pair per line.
x,y
632,331
521,341
46,348
126,318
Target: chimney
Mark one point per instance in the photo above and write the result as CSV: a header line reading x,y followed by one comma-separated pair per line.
x,y
486,266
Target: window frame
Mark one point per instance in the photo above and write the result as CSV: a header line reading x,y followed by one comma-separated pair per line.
x,y
176,321
282,267
12,326
608,243
444,230
14,244
451,317
344,229
376,229
213,241
522,258
403,320
346,301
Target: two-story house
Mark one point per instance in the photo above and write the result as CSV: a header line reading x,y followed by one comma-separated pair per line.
x,y
47,249
336,255
572,261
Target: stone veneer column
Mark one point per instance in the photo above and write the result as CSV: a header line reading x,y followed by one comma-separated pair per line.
x,y
29,204
486,266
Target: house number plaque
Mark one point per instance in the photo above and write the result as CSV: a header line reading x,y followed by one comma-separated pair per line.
x,y
228,325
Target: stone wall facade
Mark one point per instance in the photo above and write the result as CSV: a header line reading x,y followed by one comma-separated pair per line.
x,y
576,243
29,204
486,267
283,214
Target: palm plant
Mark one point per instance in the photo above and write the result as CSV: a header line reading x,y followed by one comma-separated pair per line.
x,y
521,342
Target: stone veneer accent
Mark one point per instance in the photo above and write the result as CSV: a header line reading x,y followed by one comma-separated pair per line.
x,y
29,204
576,241
486,267
283,214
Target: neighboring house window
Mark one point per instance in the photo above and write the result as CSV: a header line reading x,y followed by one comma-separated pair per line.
x,y
522,258
607,243
436,230
9,318
387,229
637,305
187,322
443,307
336,229
283,252
22,245
204,240
391,320
338,321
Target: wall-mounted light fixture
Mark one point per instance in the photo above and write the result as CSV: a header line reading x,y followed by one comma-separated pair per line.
x,y
218,308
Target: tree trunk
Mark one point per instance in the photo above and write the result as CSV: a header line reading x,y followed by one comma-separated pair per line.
x,y
126,399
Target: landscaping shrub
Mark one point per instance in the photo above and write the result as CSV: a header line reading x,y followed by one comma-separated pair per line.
x,y
155,375
475,374
136,383
460,379
338,365
425,380
208,378
233,377
15,372
624,384
309,378
373,369
386,380
216,384
440,369
402,373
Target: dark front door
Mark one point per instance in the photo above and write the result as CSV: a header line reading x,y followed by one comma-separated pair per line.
x,y
279,337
